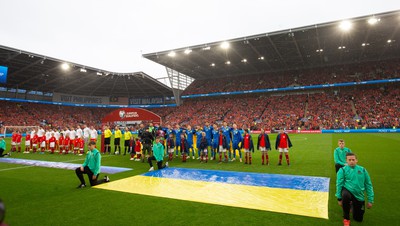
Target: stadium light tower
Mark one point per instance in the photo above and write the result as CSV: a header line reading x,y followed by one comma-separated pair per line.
x,y
373,20
345,25
171,54
224,45
65,66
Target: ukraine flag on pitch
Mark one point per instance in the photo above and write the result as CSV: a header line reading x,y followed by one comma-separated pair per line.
x,y
299,195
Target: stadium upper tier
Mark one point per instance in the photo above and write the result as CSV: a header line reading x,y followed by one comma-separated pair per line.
x,y
317,76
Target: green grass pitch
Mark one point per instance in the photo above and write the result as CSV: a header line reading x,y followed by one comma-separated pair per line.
x,y
46,196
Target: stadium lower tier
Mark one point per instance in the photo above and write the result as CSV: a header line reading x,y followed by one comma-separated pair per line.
x,y
349,108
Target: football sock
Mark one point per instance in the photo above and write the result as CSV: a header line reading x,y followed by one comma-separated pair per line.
x,y
262,157
266,158
287,159
280,159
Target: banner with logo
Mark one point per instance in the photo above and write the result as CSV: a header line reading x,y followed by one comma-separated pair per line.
x,y
132,115
3,74
79,99
146,100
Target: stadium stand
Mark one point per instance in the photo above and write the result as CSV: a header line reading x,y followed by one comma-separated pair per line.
x,y
329,75
357,108
27,114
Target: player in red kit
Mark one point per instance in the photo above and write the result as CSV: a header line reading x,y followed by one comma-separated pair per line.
x,y
264,146
42,142
170,146
35,141
61,143
76,144
66,144
27,142
19,139
13,141
81,146
52,143
283,144
184,145
222,146
247,146
137,151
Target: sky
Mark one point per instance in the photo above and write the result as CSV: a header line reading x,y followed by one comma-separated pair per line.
x,y
113,35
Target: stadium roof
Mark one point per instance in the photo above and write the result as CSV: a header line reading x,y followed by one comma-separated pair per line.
x,y
368,38
30,71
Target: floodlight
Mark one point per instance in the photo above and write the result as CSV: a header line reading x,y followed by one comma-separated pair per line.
x,y
228,62
212,65
373,20
82,70
187,51
244,60
261,58
224,45
99,73
171,54
345,25
389,41
65,66
207,48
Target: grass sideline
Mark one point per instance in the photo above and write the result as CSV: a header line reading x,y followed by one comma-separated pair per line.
x,y
47,196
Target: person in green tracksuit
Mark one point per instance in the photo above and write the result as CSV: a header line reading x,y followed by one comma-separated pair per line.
x,y
91,167
3,148
158,155
339,155
351,183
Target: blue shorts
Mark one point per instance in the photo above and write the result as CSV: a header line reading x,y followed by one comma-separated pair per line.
x,y
215,145
235,146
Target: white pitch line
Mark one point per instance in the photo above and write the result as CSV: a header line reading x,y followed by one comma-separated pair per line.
x,y
14,168
22,167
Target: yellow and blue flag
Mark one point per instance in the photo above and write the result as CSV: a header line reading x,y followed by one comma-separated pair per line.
x,y
292,194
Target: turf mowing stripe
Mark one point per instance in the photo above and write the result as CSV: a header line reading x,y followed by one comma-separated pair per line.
x,y
61,165
245,178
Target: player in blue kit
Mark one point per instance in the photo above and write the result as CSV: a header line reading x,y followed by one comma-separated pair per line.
x,y
236,140
177,131
199,135
189,136
214,147
208,130
226,130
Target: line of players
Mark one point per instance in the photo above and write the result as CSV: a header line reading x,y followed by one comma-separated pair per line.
x,y
224,141
65,141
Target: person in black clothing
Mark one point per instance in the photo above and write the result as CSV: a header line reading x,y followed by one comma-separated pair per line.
x,y
141,131
264,145
147,141
203,148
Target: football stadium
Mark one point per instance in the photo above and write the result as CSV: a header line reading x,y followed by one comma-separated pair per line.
x,y
244,134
